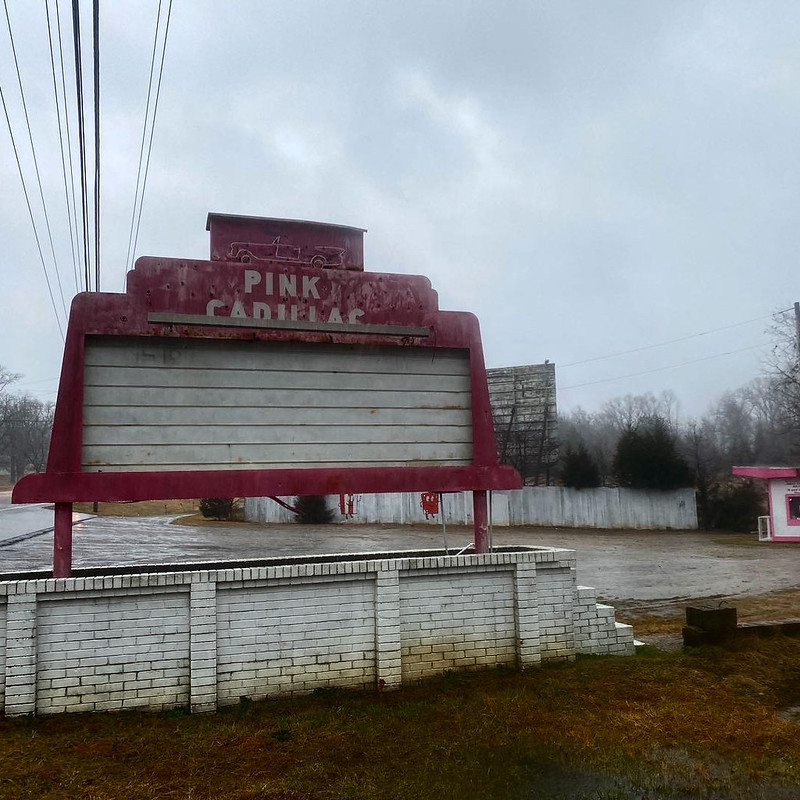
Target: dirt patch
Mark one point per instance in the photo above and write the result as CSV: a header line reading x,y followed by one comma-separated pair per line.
x,y
668,642
668,617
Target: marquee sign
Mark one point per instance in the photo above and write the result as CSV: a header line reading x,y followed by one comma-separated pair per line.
x,y
266,372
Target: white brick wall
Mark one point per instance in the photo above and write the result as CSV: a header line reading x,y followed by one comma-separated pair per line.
x,y
555,590
596,630
456,621
210,637
528,629
294,638
387,629
203,644
112,651
2,650
20,680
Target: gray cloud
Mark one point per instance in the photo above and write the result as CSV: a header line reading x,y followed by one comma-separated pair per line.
x,y
586,177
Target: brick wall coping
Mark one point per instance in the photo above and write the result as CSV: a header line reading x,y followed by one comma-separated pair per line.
x,y
135,576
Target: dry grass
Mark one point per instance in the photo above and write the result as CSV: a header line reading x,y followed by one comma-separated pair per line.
x,y
145,508
656,726
198,520
188,509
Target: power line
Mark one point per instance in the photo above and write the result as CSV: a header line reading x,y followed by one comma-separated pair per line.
x,y
660,369
30,213
35,383
76,41
672,341
74,235
61,142
153,125
134,234
144,139
96,66
33,153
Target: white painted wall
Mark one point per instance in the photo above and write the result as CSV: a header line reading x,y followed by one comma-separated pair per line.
x,y
208,638
2,649
552,506
600,508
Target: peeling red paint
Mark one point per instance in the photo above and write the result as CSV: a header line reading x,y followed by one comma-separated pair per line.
x,y
269,301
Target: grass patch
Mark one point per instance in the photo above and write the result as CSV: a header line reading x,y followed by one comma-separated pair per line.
x,y
658,725
145,508
198,520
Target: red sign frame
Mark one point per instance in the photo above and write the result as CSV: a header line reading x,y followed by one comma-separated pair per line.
x,y
270,301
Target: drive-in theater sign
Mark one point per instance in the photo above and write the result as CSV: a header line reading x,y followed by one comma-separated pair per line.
x,y
279,367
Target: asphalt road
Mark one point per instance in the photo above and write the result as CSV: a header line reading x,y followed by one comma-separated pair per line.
x,y
25,521
625,565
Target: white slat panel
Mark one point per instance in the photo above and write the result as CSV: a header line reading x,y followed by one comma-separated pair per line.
x,y
224,378
194,456
159,416
211,353
275,434
211,404
207,465
321,398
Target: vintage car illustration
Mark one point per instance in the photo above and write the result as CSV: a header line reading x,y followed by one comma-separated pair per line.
x,y
322,256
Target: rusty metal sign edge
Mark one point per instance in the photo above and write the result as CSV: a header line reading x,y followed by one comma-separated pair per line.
x,y
160,317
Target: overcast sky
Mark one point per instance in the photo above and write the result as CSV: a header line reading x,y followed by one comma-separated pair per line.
x,y
587,177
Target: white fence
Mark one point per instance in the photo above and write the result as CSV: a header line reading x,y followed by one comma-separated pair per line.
x,y
552,506
207,638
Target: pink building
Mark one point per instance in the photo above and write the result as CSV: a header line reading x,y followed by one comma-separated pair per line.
x,y
783,490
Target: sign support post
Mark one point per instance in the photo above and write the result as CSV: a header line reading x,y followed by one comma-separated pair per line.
x,y
62,541
480,512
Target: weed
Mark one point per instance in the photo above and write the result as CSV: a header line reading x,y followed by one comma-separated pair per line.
x,y
181,711
244,705
281,735
327,691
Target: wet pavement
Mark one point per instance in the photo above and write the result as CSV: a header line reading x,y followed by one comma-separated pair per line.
x,y
647,566
22,522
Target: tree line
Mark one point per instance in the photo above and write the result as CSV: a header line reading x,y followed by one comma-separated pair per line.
x,y
635,441
638,441
25,426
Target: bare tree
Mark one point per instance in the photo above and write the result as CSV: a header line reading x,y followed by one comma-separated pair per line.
x,y
25,426
784,373
7,378
600,432
734,428
595,432
625,413
699,444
